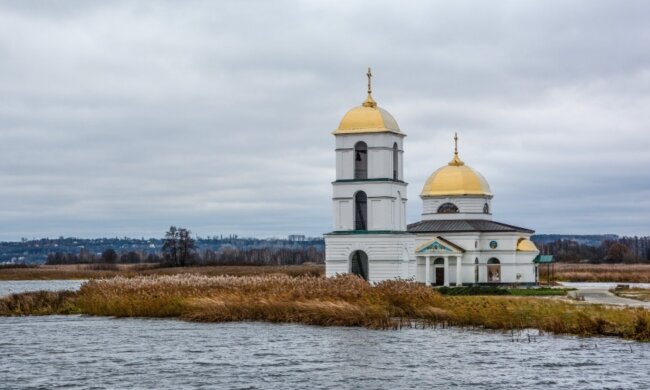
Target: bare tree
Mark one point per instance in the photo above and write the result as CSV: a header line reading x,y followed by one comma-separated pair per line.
x,y
186,246
170,246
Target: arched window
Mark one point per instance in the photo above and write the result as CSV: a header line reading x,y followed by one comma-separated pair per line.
x,y
360,211
395,162
447,208
486,209
361,160
359,264
476,270
494,270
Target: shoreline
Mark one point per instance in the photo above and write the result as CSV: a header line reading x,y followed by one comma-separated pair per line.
x,y
311,300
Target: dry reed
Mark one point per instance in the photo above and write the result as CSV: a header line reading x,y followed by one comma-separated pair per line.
x,y
342,301
621,273
39,303
347,301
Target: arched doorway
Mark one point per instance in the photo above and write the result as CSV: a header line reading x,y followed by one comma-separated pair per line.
x,y
439,271
360,211
494,270
360,160
359,264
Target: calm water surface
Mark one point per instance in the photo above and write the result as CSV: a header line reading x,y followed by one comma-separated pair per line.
x,y
55,352
17,286
81,352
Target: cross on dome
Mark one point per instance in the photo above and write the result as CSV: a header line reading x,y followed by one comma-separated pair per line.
x,y
456,161
370,102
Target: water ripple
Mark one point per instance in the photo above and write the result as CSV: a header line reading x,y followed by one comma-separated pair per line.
x,y
94,352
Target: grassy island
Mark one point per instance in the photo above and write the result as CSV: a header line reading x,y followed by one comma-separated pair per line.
x,y
342,301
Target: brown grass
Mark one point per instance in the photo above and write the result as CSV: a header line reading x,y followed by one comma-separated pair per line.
x,y
347,301
623,273
94,271
343,301
39,303
275,298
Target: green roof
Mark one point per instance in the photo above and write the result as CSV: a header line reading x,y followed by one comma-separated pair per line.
x,y
543,259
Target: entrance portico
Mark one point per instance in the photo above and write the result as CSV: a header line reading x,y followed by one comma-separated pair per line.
x,y
435,259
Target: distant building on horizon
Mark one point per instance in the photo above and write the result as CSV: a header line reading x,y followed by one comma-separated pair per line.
x,y
455,243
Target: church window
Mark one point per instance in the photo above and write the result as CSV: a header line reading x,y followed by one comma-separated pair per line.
x,y
476,270
395,161
486,209
494,270
361,160
447,208
360,211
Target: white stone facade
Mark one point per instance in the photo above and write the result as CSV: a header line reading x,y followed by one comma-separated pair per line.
x,y
455,243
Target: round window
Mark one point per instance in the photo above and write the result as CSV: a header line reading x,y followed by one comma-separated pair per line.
x,y
493,244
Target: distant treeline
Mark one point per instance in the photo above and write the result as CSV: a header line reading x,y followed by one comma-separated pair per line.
x,y
226,256
265,256
84,250
232,250
619,250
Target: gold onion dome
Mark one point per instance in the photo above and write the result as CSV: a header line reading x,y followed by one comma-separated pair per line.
x,y
526,245
368,117
456,178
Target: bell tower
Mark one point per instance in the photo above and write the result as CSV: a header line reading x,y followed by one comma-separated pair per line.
x,y
369,193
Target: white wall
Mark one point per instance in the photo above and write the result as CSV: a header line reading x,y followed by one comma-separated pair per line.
x,y
390,256
469,207
386,198
477,245
380,155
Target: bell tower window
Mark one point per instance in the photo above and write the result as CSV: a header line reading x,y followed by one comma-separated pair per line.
x,y
395,161
486,209
360,211
447,208
360,160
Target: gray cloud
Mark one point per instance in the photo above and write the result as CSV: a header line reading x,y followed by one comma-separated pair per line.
x,y
123,118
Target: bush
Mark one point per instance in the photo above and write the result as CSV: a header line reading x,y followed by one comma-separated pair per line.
x,y
473,290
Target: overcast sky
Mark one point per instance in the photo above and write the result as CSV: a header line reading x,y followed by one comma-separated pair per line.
x,y
122,118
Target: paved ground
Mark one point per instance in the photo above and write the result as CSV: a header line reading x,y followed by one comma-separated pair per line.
x,y
603,296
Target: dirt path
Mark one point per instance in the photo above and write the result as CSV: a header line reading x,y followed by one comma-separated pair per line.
x,y
603,296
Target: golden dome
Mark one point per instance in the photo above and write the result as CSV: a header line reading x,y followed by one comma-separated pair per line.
x,y
367,118
456,178
526,245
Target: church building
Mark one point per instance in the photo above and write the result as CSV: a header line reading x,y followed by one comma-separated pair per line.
x,y
456,243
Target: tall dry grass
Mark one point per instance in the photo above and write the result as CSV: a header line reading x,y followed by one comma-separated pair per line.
x,y
347,301
39,303
622,273
343,301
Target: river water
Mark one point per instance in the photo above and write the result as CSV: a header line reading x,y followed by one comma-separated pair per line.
x,y
17,286
56,352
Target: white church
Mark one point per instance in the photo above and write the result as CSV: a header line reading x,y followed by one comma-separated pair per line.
x,y
456,243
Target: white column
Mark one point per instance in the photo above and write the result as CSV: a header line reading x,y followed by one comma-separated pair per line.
x,y
459,271
427,270
446,258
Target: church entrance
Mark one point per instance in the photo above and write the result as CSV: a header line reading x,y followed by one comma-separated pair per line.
x,y
439,269
440,276
359,264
